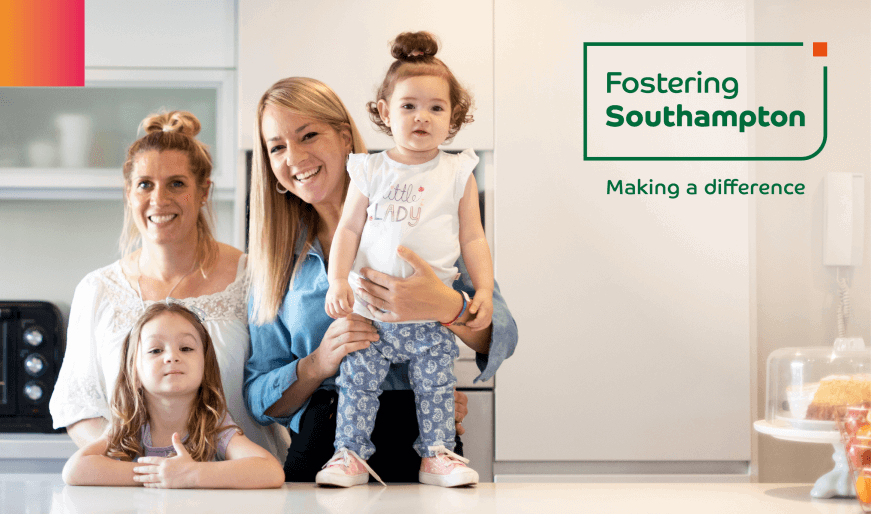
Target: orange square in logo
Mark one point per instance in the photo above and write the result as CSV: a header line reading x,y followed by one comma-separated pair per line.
x,y
820,49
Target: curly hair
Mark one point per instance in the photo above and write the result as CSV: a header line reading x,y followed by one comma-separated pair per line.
x,y
129,410
415,57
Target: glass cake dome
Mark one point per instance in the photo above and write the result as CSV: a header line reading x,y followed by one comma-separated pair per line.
x,y
804,386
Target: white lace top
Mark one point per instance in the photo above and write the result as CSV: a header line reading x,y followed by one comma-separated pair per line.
x,y
103,311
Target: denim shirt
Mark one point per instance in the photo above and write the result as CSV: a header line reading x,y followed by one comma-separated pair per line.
x,y
301,323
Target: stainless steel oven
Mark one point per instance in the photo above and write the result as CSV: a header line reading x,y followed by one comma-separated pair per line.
x,y
31,350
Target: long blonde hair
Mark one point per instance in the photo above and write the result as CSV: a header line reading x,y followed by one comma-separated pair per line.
x,y
129,412
175,130
278,222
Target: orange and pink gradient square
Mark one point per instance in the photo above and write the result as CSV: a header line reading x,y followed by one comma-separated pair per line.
x,y
42,43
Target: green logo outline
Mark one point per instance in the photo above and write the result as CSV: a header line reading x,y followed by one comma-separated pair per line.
x,y
788,158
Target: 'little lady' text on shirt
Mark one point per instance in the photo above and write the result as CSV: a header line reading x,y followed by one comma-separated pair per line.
x,y
398,213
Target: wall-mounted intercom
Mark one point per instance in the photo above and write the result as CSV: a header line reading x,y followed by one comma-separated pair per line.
x,y
843,238
843,219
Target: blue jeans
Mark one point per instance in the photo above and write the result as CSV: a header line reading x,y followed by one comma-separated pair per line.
x,y
430,350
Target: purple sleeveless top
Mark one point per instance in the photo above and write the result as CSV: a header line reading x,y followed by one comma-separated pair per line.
x,y
222,441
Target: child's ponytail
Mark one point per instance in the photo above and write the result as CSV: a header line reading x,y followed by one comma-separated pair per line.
x,y
414,46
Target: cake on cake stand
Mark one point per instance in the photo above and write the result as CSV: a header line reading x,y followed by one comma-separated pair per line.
x,y
803,384
836,482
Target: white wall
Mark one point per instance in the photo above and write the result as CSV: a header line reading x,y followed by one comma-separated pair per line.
x,y
633,310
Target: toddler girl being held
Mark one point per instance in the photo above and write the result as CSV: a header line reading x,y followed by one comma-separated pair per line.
x,y
424,199
170,427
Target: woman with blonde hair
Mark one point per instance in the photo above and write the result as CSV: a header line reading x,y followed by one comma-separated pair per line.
x,y
168,251
303,137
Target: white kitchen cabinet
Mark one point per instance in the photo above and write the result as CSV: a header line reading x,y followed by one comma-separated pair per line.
x,y
35,453
346,45
71,142
633,311
160,33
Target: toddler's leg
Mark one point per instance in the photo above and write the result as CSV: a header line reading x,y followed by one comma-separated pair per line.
x,y
432,378
359,387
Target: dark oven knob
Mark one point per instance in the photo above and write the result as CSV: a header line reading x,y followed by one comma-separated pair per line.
x,y
34,391
34,364
34,336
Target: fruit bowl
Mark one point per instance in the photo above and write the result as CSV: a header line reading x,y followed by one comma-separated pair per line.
x,y
855,429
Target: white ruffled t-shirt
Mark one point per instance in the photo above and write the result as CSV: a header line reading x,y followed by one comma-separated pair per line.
x,y
416,206
103,311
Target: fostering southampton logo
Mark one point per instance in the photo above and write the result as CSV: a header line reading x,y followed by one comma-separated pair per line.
x,y
653,102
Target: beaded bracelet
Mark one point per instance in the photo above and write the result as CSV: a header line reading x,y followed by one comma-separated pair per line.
x,y
465,303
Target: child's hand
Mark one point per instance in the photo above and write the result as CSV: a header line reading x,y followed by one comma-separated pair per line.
x,y
177,472
482,309
340,299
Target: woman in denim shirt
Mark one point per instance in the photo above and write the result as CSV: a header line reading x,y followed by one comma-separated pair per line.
x,y
298,185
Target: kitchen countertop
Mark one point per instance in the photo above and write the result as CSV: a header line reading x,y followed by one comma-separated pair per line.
x,y
47,493
36,446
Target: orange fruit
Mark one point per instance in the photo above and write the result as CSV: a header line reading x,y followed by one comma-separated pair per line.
x,y
863,489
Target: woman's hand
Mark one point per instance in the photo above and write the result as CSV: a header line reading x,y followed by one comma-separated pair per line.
x,y
345,335
179,472
461,409
420,296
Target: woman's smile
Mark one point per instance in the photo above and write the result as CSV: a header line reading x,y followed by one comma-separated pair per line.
x,y
304,176
160,219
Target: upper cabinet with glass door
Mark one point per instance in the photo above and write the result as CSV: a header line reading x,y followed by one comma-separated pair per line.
x,y
72,142
140,58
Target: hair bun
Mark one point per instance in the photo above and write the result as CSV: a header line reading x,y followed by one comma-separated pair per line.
x,y
181,122
413,46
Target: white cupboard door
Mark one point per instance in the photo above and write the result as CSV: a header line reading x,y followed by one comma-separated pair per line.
x,y
160,33
633,311
346,46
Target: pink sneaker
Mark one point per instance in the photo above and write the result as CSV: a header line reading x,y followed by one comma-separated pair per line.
x,y
446,469
345,469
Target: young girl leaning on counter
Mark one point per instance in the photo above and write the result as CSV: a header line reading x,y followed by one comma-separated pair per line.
x,y
170,426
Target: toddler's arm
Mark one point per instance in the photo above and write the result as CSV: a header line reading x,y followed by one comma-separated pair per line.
x,y
248,466
346,241
476,253
90,466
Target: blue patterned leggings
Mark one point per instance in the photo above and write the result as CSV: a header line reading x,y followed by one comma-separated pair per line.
x,y
430,349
